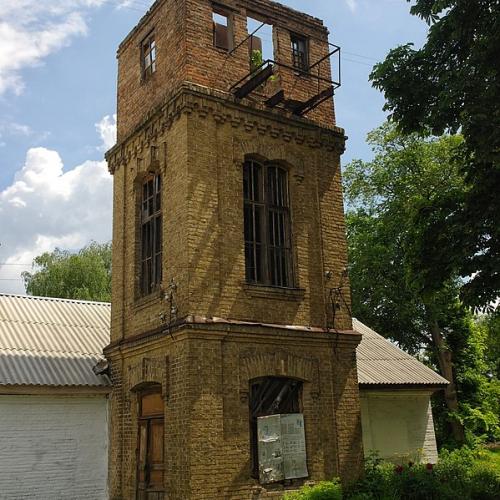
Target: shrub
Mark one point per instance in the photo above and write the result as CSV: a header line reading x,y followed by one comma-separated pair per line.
x,y
463,474
326,490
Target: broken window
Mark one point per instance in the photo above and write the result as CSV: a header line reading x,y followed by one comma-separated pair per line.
x,y
300,56
267,225
277,430
260,42
223,32
148,52
150,461
151,235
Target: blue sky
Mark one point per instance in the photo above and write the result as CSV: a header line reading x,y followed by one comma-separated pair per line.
x,y
57,101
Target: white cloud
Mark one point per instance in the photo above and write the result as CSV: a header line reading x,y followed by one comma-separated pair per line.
x,y
31,30
352,4
46,207
20,129
134,4
107,131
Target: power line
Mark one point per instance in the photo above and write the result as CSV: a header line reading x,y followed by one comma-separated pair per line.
x,y
357,62
359,55
9,264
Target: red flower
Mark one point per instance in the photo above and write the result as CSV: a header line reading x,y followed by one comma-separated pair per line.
x,y
429,466
399,469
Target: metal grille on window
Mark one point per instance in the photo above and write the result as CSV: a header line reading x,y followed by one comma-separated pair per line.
x,y
276,457
151,235
267,225
299,53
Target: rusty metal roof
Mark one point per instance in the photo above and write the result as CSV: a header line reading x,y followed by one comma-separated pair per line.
x,y
52,342
380,362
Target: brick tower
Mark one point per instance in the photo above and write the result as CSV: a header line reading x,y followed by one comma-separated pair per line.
x,y
232,354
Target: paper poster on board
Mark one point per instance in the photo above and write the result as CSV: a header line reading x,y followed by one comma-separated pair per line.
x,y
281,448
294,446
270,449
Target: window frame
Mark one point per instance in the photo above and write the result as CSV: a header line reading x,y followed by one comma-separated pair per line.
x,y
298,64
149,52
268,249
220,11
296,385
150,234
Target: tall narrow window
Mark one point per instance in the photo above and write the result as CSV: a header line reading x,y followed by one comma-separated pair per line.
x,y
150,456
223,30
148,52
267,225
300,52
151,235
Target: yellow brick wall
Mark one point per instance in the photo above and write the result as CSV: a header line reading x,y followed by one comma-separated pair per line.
x,y
201,154
205,372
225,332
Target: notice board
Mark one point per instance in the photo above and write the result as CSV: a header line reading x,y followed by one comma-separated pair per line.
x,y
281,447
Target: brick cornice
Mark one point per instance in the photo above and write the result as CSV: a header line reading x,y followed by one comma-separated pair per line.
x,y
217,329
224,108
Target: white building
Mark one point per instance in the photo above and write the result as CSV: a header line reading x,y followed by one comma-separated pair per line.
x,y
53,407
395,390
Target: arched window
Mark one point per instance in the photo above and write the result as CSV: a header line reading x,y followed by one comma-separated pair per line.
x,y
150,454
270,396
268,259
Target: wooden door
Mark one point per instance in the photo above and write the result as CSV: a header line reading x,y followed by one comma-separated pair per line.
x,y
150,458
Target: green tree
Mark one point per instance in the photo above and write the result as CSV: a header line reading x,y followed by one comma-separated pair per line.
x,y
452,84
491,324
479,386
85,275
392,287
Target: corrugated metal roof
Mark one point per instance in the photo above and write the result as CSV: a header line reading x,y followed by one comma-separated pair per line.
x,y
55,342
382,363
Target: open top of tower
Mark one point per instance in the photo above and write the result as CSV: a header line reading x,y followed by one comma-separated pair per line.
x,y
254,51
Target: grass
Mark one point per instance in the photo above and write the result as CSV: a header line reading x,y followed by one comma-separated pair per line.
x,y
490,457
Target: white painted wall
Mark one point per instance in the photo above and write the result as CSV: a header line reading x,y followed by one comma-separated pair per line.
x,y
53,447
398,425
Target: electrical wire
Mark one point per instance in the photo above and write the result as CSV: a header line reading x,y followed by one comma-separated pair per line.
x,y
9,264
359,55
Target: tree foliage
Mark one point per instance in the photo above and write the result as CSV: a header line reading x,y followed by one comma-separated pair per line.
x,y
401,289
385,198
85,275
452,84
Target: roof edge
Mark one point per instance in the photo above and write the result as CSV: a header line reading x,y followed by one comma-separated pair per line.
x,y
54,299
380,386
